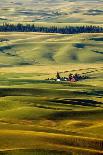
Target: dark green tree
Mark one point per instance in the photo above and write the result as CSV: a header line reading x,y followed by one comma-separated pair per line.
x,y
58,75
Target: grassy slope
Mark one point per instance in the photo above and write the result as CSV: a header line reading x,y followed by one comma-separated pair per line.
x,y
52,11
41,114
51,116
41,48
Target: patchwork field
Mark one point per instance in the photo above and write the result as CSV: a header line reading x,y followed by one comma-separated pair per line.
x,y
62,11
51,117
41,48
38,115
47,117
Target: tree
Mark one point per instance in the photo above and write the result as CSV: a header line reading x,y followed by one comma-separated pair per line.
x,y
52,29
58,75
70,76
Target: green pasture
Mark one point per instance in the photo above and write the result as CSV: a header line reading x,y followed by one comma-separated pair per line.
x,y
52,11
45,117
42,114
18,49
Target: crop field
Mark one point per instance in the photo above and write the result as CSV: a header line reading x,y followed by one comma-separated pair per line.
x,y
18,49
40,115
60,11
48,117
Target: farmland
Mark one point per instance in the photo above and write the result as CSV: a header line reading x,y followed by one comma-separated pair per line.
x,y
41,49
42,114
49,117
59,11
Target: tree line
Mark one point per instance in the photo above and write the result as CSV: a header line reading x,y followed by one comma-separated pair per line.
x,y
52,29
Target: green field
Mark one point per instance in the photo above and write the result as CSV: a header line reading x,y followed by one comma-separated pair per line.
x,y
51,117
42,49
62,11
46,117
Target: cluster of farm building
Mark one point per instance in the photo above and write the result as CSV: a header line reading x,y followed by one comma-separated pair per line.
x,y
71,77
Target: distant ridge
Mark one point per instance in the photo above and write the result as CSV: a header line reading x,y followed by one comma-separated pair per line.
x,y
59,11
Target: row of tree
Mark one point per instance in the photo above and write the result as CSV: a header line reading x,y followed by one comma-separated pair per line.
x,y
52,29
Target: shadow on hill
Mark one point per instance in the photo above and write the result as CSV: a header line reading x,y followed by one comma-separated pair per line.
x,y
62,115
82,102
97,39
20,92
34,152
3,48
98,52
47,91
80,45
95,93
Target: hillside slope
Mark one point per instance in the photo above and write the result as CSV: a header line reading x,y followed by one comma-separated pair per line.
x,y
55,118
41,48
72,11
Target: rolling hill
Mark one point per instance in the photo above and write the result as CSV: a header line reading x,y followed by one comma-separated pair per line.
x,y
61,11
41,48
39,115
49,117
